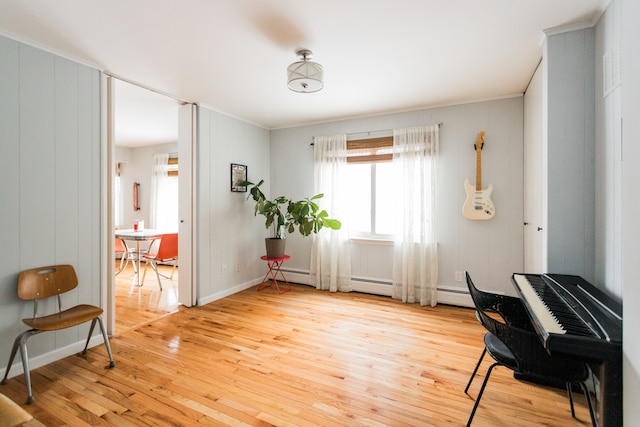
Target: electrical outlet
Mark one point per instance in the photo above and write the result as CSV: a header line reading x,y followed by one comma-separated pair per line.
x,y
458,276
237,266
223,268
248,264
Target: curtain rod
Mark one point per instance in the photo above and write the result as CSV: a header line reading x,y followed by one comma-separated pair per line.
x,y
172,154
378,131
373,131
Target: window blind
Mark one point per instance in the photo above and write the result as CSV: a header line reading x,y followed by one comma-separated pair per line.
x,y
370,150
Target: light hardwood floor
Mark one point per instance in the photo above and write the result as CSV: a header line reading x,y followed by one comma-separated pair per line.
x,y
136,306
304,358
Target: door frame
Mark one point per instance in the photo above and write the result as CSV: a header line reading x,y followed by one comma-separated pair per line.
x,y
186,147
187,134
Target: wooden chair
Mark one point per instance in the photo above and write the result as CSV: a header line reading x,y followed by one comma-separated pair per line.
x,y
44,282
167,251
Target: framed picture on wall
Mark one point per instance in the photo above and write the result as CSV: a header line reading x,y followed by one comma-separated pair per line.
x,y
238,175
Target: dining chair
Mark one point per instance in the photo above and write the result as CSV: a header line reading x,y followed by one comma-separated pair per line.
x,y
41,283
120,248
518,348
126,254
167,251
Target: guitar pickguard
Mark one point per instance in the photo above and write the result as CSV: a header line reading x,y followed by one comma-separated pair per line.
x,y
478,204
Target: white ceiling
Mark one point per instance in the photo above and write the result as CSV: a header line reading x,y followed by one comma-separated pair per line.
x,y
144,117
231,55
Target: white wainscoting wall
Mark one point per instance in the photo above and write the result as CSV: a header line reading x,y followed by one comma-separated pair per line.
x,y
50,187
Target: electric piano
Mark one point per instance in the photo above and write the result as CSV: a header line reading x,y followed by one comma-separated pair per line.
x,y
573,317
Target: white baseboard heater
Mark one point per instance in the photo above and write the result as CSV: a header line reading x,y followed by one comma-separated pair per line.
x,y
446,294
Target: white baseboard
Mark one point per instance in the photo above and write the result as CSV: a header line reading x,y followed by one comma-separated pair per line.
x,y
454,296
357,285
446,295
227,292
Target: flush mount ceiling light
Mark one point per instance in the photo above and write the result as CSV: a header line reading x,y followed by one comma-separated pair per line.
x,y
305,76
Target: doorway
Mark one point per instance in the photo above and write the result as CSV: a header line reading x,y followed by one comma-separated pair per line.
x,y
142,125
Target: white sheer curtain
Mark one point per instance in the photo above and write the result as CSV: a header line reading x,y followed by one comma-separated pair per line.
x,y
330,259
163,212
415,263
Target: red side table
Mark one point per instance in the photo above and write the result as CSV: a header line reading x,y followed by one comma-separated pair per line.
x,y
274,268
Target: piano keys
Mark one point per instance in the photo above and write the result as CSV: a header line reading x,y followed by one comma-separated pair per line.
x,y
573,317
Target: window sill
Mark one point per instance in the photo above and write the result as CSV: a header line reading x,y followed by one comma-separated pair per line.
x,y
369,240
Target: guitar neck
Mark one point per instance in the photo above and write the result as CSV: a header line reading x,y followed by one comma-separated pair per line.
x,y
478,169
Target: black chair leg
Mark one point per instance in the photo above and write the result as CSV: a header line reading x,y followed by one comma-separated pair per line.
x,y
588,396
466,389
484,383
570,393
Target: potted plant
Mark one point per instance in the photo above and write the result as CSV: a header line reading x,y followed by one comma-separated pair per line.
x,y
284,215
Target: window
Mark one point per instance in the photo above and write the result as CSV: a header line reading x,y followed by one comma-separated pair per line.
x,y
164,193
371,179
117,196
387,190
172,166
167,205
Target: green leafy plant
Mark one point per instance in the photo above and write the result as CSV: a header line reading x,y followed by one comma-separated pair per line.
x,y
285,215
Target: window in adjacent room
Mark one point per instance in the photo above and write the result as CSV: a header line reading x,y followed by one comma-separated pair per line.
x,y
117,196
164,193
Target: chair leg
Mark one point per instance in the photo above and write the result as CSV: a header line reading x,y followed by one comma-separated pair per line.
x,y
173,269
466,389
588,396
155,268
14,350
21,343
25,366
570,393
144,272
484,383
105,337
93,325
124,261
132,256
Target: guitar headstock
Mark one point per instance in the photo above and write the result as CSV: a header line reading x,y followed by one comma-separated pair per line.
x,y
479,141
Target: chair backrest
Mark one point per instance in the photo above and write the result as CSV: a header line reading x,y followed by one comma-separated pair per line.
x,y
120,246
168,248
44,282
482,300
510,308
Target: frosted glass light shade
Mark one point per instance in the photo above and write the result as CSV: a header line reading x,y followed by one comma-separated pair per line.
x,y
305,76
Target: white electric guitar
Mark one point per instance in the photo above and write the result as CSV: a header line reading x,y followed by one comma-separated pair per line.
x,y
478,204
